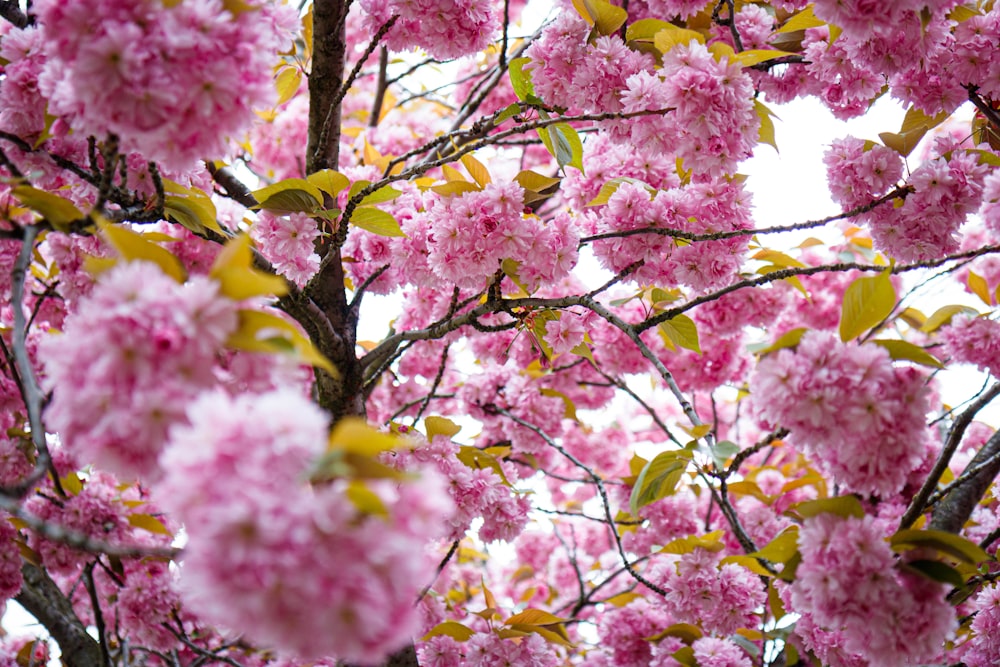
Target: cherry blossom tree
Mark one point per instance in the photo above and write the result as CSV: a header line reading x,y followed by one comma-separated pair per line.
x,y
615,419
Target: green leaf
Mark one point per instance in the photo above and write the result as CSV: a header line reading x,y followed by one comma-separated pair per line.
x,y
512,110
685,656
376,221
365,500
953,545
937,571
901,349
755,56
452,629
58,211
292,195
750,563
452,188
564,144
658,479
943,316
766,133
867,302
842,506
671,36
520,78
609,188
682,331
781,548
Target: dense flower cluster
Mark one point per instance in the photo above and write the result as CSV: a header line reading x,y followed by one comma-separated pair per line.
x,y
848,583
839,401
444,30
237,476
171,80
287,241
130,358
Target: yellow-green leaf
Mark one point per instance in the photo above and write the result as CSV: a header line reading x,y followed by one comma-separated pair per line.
x,y
750,563
292,195
979,287
535,617
436,426
604,16
755,56
383,194
260,331
452,188
480,174
58,211
376,221
686,632
801,21
671,36
329,181
287,83
867,301
781,548
478,459
658,478
365,500
685,545
238,279
903,142
953,545
452,629
520,79
563,143
532,181
944,315
766,133
149,523
189,207
789,339
682,331
901,349
645,29
842,506
131,246
354,435
779,258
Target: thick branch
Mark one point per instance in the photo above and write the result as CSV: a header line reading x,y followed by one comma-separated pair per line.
x,y
43,600
956,508
11,11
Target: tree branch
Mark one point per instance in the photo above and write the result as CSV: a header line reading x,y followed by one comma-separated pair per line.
x,y
41,597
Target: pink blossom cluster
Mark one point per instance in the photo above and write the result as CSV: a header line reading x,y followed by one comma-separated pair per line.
x,y
973,340
444,29
288,242
697,208
476,491
624,632
708,652
990,210
712,124
487,649
983,650
944,192
468,236
720,598
858,172
136,350
847,582
568,72
859,416
302,568
172,80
